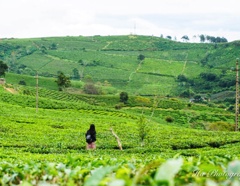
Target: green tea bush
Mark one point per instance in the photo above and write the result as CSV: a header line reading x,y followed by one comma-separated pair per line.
x,y
91,171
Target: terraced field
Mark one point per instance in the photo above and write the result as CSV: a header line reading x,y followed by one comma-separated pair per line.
x,y
166,139
48,146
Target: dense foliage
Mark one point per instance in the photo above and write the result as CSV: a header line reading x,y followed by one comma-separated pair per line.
x,y
3,68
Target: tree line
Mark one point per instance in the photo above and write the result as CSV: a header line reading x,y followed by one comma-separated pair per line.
x,y
212,39
203,38
207,38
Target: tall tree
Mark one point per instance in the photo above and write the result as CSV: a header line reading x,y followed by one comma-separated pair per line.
x,y
3,68
124,97
202,38
62,81
76,74
169,37
185,38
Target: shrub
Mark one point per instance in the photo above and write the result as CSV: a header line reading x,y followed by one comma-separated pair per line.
x,y
220,126
189,104
90,88
119,106
143,101
231,108
142,129
169,119
22,82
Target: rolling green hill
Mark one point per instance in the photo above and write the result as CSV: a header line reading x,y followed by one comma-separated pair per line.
x,y
114,59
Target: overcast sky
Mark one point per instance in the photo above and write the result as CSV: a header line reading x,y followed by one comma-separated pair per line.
x,y
43,18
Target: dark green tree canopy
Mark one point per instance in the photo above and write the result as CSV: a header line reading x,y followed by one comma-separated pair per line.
x,y
63,81
169,37
182,78
212,39
76,74
53,46
124,97
3,68
208,76
185,38
202,38
141,57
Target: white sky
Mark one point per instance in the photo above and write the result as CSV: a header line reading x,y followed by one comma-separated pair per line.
x,y
43,18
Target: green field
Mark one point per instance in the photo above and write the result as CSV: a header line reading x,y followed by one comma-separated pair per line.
x,y
115,59
166,139
47,146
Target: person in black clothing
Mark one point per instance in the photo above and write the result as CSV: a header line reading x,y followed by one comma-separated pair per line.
x,y
91,137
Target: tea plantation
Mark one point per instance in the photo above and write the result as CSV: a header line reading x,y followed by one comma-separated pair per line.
x,y
166,139
112,63
47,146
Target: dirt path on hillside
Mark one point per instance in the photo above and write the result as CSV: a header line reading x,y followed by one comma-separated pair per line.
x,y
134,72
108,43
11,90
185,64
